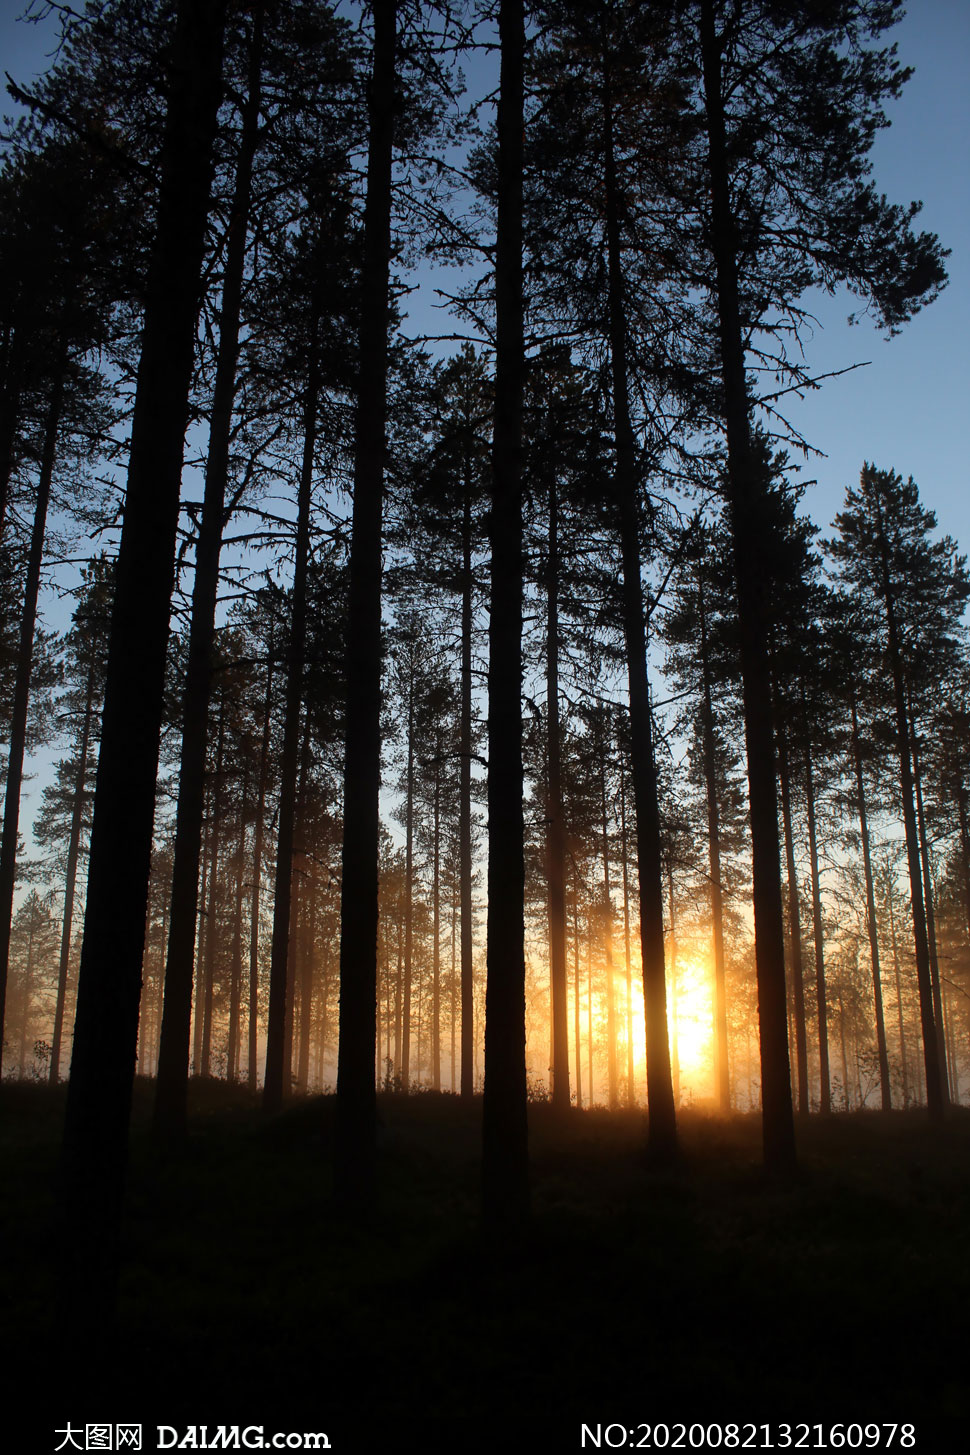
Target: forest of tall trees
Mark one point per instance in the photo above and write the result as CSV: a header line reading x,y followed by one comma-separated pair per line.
x,y
481,713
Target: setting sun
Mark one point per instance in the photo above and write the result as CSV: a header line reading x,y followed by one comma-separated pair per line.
x,y
691,1025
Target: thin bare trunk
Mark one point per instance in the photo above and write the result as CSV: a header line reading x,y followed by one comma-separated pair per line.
x,y
212,933
408,889
631,1090
674,1047
794,927
899,999
436,935
928,899
204,925
577,1022
871,922
714,864
825,1094
276,1082
70,883
258,831
296,944
235,963
961,796
306,986
935,1090
21,692
555,828
25,1004
465,800
611,1066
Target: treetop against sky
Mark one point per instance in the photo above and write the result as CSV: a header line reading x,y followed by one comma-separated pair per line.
x,y
906,408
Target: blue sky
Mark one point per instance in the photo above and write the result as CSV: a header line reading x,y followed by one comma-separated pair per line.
x,y
909,409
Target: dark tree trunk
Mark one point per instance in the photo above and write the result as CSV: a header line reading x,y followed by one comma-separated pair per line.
x,y
935,1091
611,1066
94,1157
205,924
505,1144
258,831
714,864
398,990
899,994
589,1003
9,421
408,891
157,1024
327,976
70,883
928,897
555,828
276,1081
235,963
296,939
212,936
21,692
577,1007
453,989
662,1124
964,849
356,1095
631,1089
824,1075
382,975
169,1118
746,498
871,922
436,934
675,1048
25,1005
465,802
951,1048
794,922
845,1059
306,986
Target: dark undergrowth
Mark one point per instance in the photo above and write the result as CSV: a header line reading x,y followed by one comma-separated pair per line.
x,y
713,1293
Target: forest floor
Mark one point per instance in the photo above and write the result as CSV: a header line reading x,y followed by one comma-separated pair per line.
x,y
711,1294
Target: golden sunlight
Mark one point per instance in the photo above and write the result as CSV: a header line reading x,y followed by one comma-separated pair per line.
x,y
690,1012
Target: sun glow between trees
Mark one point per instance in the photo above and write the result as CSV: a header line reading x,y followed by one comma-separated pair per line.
x,y
690,1020
691,1026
